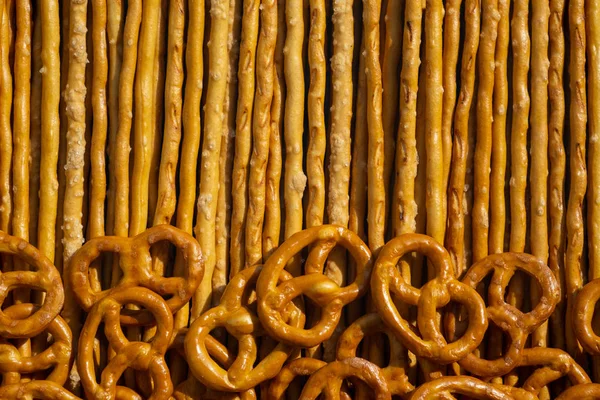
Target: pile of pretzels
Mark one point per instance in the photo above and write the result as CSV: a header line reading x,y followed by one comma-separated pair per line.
x,y
299,199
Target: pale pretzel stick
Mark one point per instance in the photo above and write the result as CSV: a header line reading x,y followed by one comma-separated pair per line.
x,y
143,116
483,147
243,134
272,227
417,273
189,154
294,178
578,121
450,60
455,233
211,148
557,164
261,132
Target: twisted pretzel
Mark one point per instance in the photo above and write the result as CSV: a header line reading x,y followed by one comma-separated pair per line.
x,y
370,324
328,379
469,386
585,304
57,355
136,263
242,324
297,367
40,390
433,295
140,356
581,392
323,291
46,279
510,319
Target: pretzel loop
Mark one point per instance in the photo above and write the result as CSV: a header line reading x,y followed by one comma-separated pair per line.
x,y
297,367
40,390
46,278
137,355
135,261
588,391
471,387
583,314
434,294
242,324
273,298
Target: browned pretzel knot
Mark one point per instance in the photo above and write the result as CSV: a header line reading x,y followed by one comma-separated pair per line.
x,y
435,294
468,386
39,390
294,368
45,278
587,391
583,313
136,263
56,356
324,292
370,324
328,380
241,323
140,356
511,320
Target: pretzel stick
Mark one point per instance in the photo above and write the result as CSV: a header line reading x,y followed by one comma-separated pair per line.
x,y
450,59
89,79
557,164
417,274
243,136
294,178
272,227
578,120
209,175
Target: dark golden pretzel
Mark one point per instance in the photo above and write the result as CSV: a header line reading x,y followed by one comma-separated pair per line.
x,y
435,294
297,367
241,323
370,324
45,278
583,314
40,390
56,356
140,356
136,263
325,293
468,386
510,319
328,380
586,391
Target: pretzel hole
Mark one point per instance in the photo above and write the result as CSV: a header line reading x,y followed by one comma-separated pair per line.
x,y
164,256
519,289
100,271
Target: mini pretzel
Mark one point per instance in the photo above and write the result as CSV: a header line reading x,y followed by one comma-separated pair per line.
x,y
39,390
507,317
46,279
56,356
140,356
581,392
135,261
273,298
297,367
583,313
435,294
244,326
328,380
471,387
370,324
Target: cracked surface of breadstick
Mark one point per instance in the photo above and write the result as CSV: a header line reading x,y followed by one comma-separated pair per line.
x,y
294,178
456,192
211,148
317,141
556,190
261,132
577,163
36,128
6,142
143,116
243,134
483,147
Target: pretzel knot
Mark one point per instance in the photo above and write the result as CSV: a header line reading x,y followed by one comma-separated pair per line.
x,y
328,380
511,320
471,387
583,313
241,322
371,324
136,263
140,356
57,355
435,294
46,278
587,391
324,292
297,367
39,390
